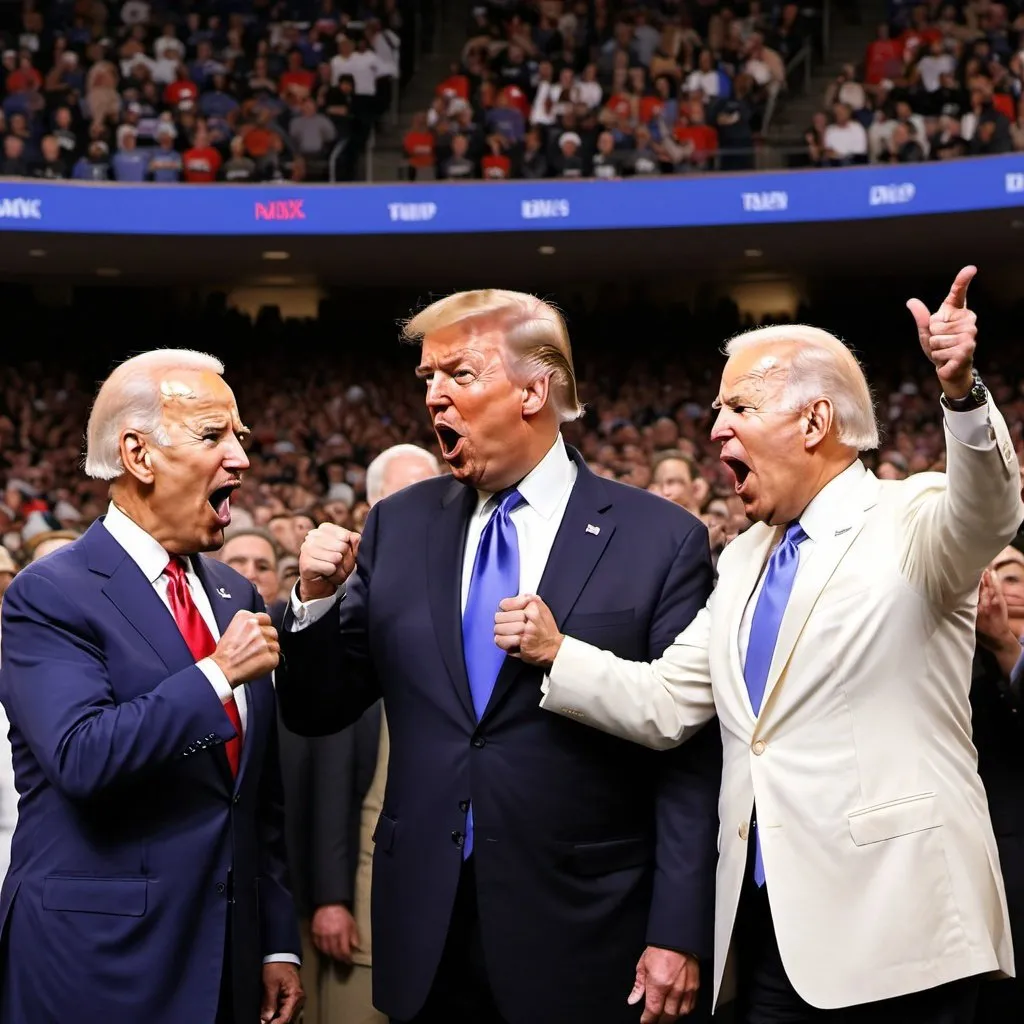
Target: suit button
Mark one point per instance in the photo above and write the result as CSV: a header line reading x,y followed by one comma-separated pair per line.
x,y
463,806
458,839
759,747
220,887
744,830
479,741
236,799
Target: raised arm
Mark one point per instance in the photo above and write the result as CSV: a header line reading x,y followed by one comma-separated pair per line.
x,y
953,532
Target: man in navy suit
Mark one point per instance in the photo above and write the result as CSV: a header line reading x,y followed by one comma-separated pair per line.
x,y
522,866
147,881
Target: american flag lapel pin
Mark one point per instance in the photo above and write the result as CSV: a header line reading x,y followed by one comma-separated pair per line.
x,y
223,592
591,528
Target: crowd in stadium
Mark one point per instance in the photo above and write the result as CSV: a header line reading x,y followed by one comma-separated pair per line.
x,y
204,92
317,425
196,92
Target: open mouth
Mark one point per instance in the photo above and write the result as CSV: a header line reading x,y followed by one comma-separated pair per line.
x,y
220,502
740,470
451,441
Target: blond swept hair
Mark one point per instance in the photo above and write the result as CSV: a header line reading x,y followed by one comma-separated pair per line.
x,y
130,399
535,335
821,367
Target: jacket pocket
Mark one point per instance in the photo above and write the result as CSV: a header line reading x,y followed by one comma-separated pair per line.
x,y
384,833
613,855
125,897
894,818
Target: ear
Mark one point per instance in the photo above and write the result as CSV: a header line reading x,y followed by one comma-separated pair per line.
x,y
817,422
701,491
136,458
535,395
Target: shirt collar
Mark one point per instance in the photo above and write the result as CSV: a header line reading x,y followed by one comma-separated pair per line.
x,y
147,553
544,486
831,505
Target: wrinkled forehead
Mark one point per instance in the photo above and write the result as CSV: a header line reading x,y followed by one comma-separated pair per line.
x,y
470,337
755,369
187,395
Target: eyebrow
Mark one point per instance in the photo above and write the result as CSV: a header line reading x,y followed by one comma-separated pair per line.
x,y
424,368
1009,561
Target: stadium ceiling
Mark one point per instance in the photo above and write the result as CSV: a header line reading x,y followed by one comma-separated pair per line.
x,y
893,246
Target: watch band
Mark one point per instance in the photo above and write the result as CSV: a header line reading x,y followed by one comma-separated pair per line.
x,y
974,399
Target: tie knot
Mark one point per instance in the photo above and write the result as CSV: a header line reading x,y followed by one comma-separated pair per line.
x,y
794,534
508,501
175,569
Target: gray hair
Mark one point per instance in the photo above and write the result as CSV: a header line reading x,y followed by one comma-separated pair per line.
x,y
377,469
821,367
130,399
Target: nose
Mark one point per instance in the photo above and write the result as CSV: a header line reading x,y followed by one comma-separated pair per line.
x,y
235,458
437,394
722,430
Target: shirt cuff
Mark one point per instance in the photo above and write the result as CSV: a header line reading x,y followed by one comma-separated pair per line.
x,y
972,428
305,613
218,680
282,958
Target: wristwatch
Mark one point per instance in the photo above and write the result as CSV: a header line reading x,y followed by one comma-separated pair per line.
x,y
974,399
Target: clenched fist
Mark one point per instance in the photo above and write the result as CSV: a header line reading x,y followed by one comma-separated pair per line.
x,y
525,628
326,560
248,649
949,336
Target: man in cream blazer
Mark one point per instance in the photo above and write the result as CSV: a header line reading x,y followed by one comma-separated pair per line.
x,y
857,859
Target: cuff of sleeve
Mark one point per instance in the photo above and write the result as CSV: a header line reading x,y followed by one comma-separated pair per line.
x,y
1017,671
217,679
972,428
305,613
283,958
558,686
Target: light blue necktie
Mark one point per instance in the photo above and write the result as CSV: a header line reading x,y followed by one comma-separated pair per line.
x,y
495,577
764,632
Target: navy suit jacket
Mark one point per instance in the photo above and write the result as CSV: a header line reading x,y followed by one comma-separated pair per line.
x,y
586,847
134,845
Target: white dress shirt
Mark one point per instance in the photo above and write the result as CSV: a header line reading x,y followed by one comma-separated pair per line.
x,y
8,796
545,489
970,428
152,559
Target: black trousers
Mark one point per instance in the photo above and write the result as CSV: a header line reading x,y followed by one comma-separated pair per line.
x,y
765,995
461,993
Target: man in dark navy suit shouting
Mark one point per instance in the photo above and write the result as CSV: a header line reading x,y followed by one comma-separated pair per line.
x,y
523,865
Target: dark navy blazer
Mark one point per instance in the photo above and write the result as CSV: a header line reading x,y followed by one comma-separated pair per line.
x,y
134,845
586,847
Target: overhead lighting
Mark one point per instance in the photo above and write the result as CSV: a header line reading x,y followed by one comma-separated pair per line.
x,y
276,254
753,254
108,272
546,250
37,253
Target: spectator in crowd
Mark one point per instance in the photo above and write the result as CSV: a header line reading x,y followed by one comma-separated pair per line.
x,y
998,732
8,791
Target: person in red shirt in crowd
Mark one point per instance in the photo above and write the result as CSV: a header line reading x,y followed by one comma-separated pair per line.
x,y
693,129
515,97
181,90
621,102
26,77
920,35
202,161
496,164
419,146
455,85
297,79
884,57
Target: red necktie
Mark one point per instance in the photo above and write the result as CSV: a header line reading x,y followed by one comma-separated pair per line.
x,y
200,642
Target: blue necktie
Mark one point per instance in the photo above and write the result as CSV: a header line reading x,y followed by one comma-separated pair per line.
x,y
495,577
764,632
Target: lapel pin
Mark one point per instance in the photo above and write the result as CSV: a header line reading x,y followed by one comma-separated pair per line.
x,y
591,528
223,592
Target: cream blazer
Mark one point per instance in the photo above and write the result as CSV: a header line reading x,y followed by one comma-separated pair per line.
x,y
882,869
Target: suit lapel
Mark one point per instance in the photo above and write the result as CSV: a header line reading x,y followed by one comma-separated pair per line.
x,y
574,555
812,580
444,580
134,597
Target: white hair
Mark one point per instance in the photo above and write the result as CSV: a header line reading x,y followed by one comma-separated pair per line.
x,y
377,469
821,367
130,399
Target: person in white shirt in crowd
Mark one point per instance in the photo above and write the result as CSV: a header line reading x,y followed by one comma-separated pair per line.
x,y
845,139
